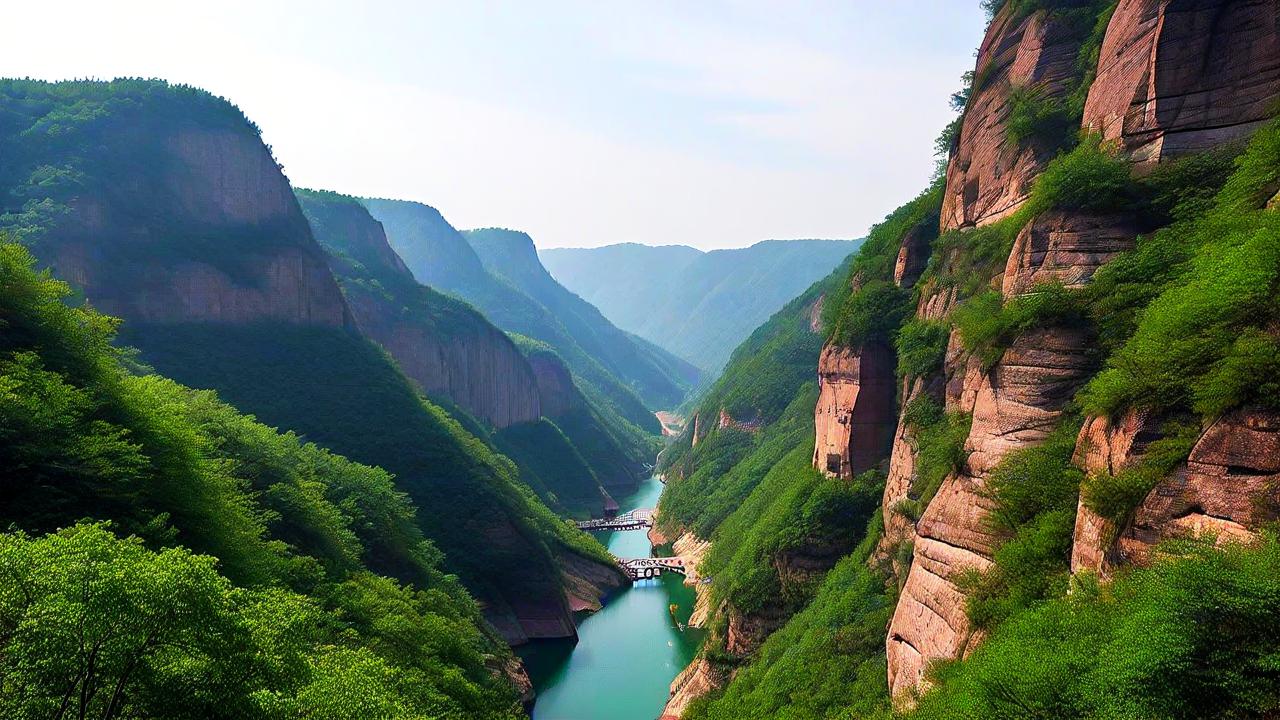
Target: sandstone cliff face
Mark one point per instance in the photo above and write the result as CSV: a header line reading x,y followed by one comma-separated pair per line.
x,y
1065,247
479,370
700,678
854,417
1016,405
248,254
556,391
1173,78
1228,487
987,176
1178,76
902,476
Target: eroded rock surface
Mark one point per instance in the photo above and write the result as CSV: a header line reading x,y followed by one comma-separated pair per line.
x,y
1065,247
444,346
1228,487
1183,76
247,253
988,177
855,415
1016,405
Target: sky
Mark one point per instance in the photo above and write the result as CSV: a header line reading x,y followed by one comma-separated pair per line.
x,y
710,123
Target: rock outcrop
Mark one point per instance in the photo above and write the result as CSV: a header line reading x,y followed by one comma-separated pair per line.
x,y
1066,248
1179,76
988,177
701,677
1016,405
1228,487
855,415
248,253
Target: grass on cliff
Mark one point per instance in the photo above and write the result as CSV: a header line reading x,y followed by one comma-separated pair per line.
x,y
1033,492
1194,636
341,391
1204,341
827,661
794,511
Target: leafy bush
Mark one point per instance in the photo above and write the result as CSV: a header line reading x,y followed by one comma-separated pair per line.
x,y
873,313
1090,177
1197,344
938,439
921,346
875,260
988,326
103,627
794,507
1194,636
1115,497
1033,493
827,661
1034,115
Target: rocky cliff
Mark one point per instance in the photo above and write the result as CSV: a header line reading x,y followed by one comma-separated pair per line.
x,y
248,258
1024,58
169,211
450,350
1178,77
1172,79
854,417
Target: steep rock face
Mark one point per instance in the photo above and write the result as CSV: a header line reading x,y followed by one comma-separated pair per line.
x,y
913,253
556,390
854,417
479,369
1016,405
447,348
987,176
1229,486
1185,75
250,256
701,677
1065,247
587,583
902,476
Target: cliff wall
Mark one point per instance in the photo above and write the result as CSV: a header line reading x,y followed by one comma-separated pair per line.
x,y
448,349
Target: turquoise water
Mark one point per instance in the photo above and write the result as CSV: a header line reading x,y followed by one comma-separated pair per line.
x,y
628,653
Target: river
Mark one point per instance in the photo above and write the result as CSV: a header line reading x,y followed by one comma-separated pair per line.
x,y
628,653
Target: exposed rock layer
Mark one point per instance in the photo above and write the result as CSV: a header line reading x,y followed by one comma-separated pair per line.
x,y
988,177
854,417
1186,75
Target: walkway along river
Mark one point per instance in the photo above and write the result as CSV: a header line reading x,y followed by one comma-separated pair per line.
x,y
628,653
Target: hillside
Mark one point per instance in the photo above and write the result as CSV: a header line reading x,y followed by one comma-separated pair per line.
x,y
660,379
698,305
170,212
419,234
1055,369
248,552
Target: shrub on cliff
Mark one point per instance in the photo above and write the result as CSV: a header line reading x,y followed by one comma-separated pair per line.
x,y
1194,636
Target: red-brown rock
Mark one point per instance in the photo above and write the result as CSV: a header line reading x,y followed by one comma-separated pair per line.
x,y
1229,486
1015,406
988,178
1183,76
854,417
1065,247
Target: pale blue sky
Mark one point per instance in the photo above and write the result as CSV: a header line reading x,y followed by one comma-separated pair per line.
x,y
713,124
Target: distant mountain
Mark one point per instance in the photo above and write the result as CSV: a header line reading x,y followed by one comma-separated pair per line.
x,y
516,293
658,377
698,305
